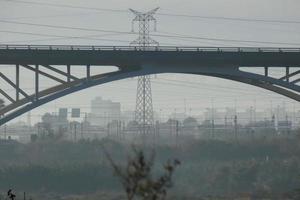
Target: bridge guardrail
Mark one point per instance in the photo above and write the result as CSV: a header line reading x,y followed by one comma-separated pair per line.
x,y
152,48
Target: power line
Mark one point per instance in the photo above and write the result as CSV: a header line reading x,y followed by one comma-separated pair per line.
x,y
62,38
191,85
66,6
216,89
65,38
224,40
157,35
198,84
164,91
47,16
162,14
59,37
214,43
231,18
65,27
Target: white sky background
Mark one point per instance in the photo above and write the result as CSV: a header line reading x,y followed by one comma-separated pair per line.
x,y
168,95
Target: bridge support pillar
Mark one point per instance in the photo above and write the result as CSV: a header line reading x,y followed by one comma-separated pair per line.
x,y
287,72
88,71
36,82
266,71
17,82
69,73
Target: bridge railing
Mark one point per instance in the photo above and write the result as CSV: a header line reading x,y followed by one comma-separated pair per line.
x,y
138,48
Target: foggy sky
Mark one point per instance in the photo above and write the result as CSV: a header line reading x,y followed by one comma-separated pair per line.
x,y
200,92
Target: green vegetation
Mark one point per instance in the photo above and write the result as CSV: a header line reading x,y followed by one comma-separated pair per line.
x,y
268,167
137,178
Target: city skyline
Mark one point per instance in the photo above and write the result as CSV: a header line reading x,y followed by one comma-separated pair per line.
x,y
105,110
248,22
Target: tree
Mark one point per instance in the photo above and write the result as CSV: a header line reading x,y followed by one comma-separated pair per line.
x,y
137,179
190,122
190,125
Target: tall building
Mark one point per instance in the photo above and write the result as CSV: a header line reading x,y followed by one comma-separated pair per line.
x,y
104,112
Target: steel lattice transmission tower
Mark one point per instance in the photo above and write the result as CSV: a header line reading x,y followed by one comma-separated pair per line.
x,y
143,20
144,107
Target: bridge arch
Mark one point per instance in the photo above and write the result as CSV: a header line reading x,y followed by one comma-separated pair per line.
x,y
16,109
135,62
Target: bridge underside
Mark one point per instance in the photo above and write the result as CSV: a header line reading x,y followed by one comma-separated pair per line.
x,y
135,63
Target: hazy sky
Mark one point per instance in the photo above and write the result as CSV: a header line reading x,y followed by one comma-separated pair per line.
x,y
198,92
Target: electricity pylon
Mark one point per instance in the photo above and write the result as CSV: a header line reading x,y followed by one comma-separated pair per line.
x,y
144,20
144,107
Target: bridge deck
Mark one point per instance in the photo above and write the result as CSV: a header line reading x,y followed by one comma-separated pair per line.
x,y
131,55
151,48
221,62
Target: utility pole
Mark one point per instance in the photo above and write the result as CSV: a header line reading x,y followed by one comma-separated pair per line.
x,y
212,119
144,107
108,130
273,124
177,133
235,128
287,123
75,131
123,131
119,130
81,130
254,111
156,131
5,130
225,125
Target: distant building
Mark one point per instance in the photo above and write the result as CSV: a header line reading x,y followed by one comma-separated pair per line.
x,y
128,116
178,116
104,111
18,131
217,116
226,117
284,127
52,123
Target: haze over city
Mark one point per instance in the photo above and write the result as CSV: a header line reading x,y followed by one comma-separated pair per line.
x,y
198,19
140,99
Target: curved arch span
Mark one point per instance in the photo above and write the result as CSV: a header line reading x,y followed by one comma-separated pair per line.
x,y
11,111
260,84
61,90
